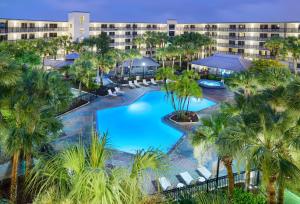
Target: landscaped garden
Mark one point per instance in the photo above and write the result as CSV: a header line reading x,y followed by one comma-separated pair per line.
x,y
256,131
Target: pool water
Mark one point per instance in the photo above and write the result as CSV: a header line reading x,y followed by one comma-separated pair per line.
x,y
139,125
211,83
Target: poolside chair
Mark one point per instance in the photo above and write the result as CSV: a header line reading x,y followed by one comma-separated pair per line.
x,y
145,82
110,93
164,183
204,172
201,179
188,179
153,81
118,91
131,85
136,83
180,185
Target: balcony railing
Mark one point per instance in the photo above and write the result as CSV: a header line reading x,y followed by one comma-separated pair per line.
x,y
125,28
269,30
241,46
29,30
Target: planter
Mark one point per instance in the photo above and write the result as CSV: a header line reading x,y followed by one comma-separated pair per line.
x,y
191,118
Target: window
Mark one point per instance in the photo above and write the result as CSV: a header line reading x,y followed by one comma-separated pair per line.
x,y
127,33
264,26
103,25
103,33
31,36
23,25
171,33
52,35
3,37
46,25
214,26
262,52
232,34
275,27
242,34
155,26
31,25
171,27
263,35
23,36
241,42
112,41
148,26
298,65
127,47
81,19
53,25
81,31
111,26
232,27
242,26
192,26
111,34
207,26
134,47
45,35
134,33
134,26
261,44
231,42
127,40
241,51
275,36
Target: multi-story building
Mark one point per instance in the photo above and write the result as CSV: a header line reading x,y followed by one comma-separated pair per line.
x,y
234,37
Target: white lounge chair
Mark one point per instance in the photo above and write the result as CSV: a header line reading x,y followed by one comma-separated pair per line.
x,y
153,81
204,172
110,93
131,85
145,82
180,185
136,83
201,179
164,183
186,177
118,91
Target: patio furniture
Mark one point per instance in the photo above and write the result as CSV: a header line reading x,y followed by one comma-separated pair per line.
x,y
180,185
153,81
131,85
110,93
164,183
136,83
145,82
186,177
204,172
118,91
201,179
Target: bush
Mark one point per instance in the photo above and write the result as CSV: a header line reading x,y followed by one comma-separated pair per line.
x,y
242,197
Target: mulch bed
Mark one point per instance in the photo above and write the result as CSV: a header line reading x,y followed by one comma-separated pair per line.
x,y
188,117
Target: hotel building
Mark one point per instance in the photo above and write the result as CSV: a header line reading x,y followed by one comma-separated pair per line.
x,y
234,37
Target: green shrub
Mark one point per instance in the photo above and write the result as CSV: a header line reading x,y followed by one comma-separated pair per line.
x,y
242,197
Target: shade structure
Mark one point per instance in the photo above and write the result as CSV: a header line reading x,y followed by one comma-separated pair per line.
x,y
233,63
140,66
140,62
72,56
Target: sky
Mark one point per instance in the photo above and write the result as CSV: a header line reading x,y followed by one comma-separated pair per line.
x,y
155,10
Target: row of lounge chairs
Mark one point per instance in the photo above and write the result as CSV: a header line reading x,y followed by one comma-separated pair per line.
x,y
204,173
136,84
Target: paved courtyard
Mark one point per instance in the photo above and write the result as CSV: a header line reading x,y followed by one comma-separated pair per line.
x,y
79,123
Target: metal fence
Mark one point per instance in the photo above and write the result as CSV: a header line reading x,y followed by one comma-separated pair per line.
x,y
210,185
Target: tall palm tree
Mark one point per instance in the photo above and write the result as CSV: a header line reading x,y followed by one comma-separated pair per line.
x,y
276,46
209,134
132,54
138,41
79,175
293,47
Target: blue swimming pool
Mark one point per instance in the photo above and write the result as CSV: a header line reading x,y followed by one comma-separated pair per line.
x,y
140,126
211,84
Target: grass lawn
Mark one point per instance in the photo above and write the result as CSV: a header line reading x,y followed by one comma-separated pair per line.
x,y
291,198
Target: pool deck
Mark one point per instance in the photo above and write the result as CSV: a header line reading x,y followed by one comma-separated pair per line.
x,y
79,123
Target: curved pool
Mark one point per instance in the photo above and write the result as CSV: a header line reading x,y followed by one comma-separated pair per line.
x,y
139,125
206,83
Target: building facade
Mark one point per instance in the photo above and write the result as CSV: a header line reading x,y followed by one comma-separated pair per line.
x,y
236,37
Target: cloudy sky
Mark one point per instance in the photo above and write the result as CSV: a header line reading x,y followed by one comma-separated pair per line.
x,y
156,10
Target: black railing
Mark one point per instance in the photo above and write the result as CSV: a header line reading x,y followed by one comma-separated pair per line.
x,y
35,29
209,185
86,97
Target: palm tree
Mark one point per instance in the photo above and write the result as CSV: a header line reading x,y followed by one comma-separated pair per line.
x,y
9,71
293,47
161,54
79,175
276,46
138,41
132,54
151,40
83,70
210,134
45,48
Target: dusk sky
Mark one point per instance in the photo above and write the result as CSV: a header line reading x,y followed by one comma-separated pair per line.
x,y
155,10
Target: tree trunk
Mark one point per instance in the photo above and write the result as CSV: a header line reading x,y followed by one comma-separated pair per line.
x,y
43,63
295,66
180,61
80,87
173,63
271,190
280,193
28,165
14,177
228,165
247,180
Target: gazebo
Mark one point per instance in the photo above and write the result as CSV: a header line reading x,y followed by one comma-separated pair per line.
x,y
221,64
139,66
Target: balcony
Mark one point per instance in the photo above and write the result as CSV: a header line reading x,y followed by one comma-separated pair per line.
x,y
144,28
29,30
257,47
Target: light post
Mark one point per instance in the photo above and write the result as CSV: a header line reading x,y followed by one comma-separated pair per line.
x,y
143,64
